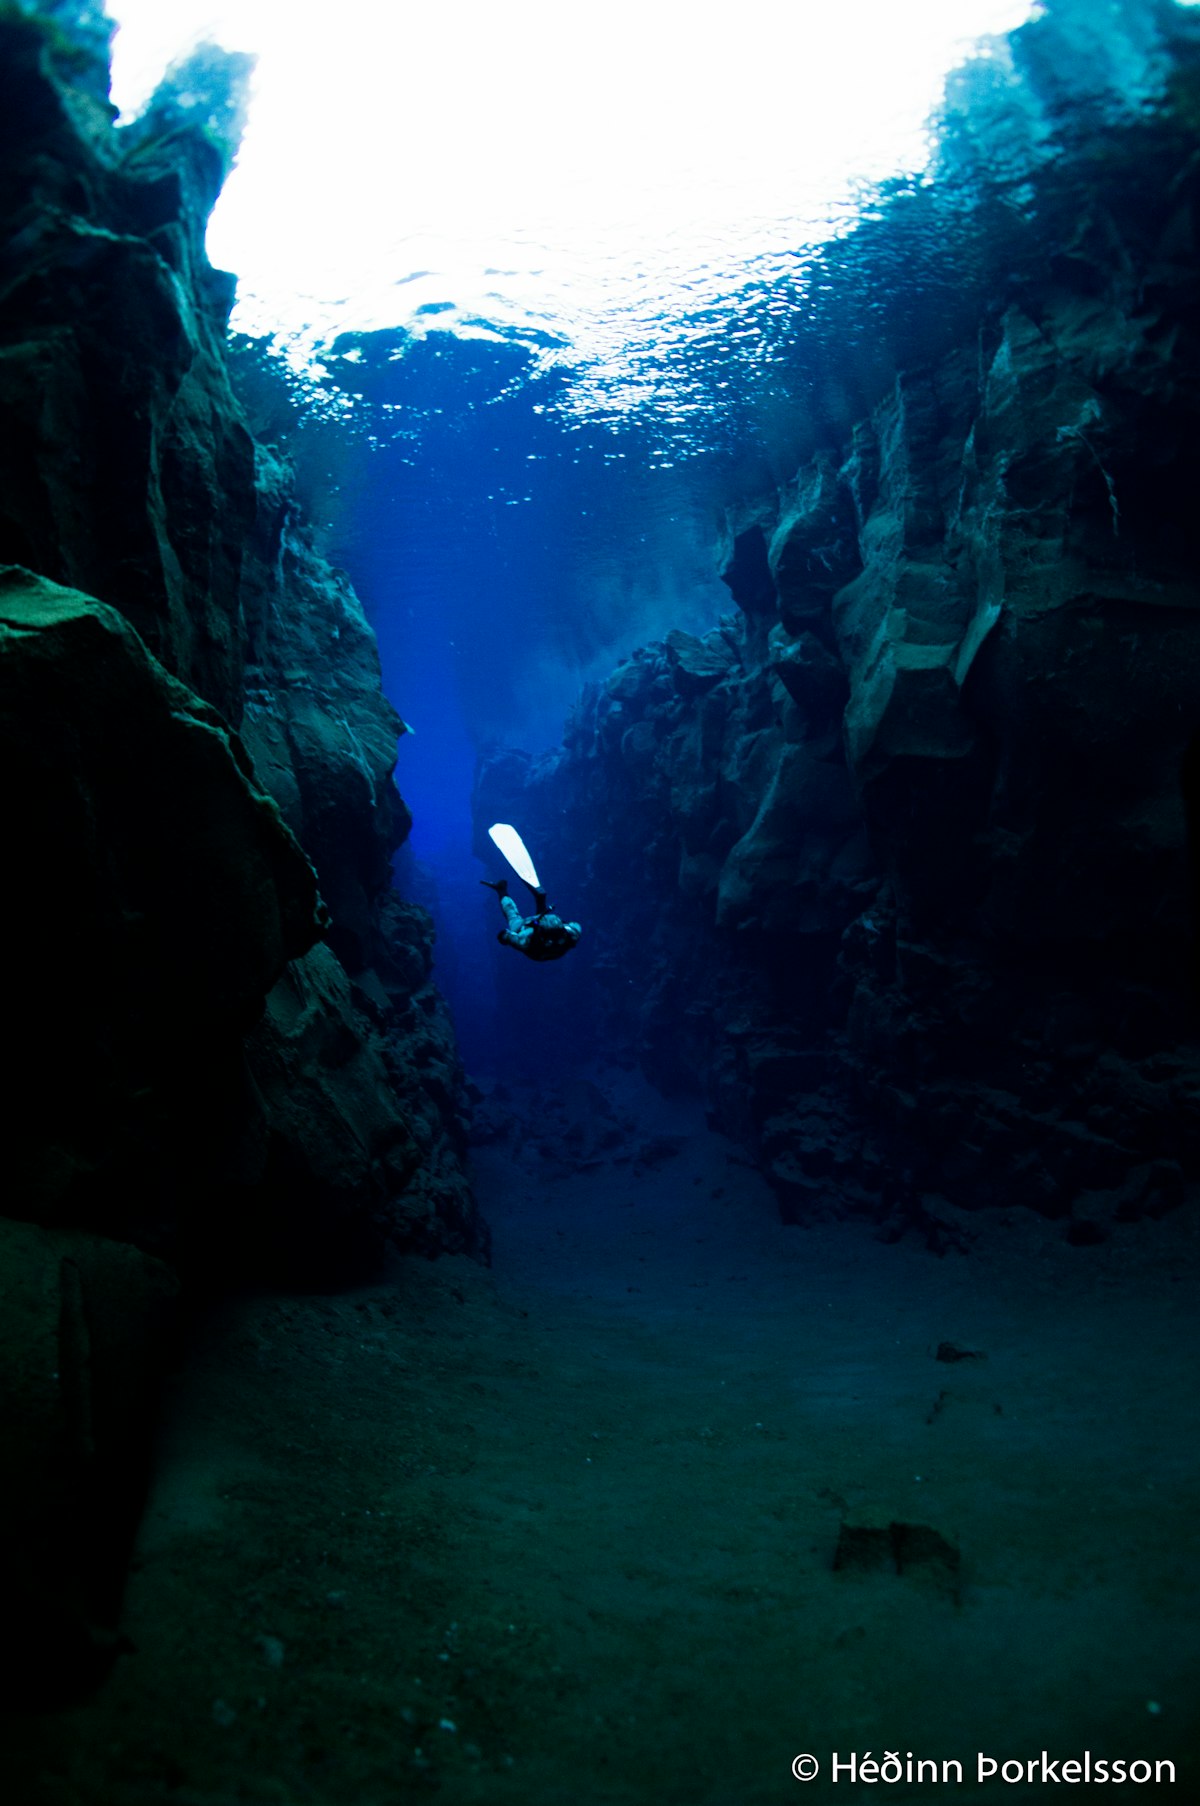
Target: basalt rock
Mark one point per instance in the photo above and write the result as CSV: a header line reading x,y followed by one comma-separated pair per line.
x,y
155,896
226,1056
898,866
129,474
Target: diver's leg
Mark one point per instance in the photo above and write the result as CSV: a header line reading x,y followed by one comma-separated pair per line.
x,y
512,915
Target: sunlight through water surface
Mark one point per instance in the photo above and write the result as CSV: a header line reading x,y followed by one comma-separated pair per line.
x,y
602,183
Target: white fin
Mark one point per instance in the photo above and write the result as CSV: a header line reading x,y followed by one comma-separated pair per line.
x,y
516,852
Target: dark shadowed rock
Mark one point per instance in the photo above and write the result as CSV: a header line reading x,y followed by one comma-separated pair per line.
x,y
914,1550
748,573
157,895
82,1324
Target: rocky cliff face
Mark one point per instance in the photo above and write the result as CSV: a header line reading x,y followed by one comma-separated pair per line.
x,y
131,477
898,863
229,1058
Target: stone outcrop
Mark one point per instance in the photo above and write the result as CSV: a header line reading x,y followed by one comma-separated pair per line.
x,y
897,863
230,1061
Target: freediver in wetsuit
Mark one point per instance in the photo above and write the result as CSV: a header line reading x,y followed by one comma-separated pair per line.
x,y
541,936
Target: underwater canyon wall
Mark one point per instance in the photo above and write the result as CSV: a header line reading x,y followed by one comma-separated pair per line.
x,y
897,864
228,1060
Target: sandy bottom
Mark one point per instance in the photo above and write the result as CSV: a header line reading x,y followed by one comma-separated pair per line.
x,y
565,1531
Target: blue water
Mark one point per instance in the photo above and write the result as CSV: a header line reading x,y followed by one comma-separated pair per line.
x,y
518,511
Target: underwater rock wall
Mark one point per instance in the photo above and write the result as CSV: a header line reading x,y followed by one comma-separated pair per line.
x,y
129,476
228,1060
355,1053
897,863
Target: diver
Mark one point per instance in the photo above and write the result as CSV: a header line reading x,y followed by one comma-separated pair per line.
x,y
543,935
540,936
